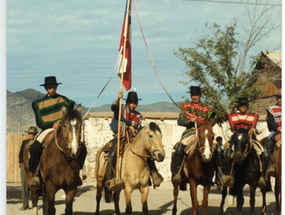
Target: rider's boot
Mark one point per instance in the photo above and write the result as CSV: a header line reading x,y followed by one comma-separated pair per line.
x,y
34,162
177,158
220,163
269,147
156,177
227,180
111,163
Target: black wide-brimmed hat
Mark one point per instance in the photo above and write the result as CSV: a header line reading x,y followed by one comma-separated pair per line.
x,y
50,80
195,89
32,130
132,96
243,100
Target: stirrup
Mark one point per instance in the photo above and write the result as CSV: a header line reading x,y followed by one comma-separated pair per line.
x,y
35,183
227,181
115,184
176,180
261,182
156,178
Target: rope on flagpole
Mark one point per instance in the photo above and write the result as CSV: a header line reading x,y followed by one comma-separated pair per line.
x,y
155,66
99,95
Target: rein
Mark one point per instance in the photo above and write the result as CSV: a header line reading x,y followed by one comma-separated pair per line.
x,y
141,156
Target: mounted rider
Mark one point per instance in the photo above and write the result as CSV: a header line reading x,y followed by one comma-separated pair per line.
x,y
274,123
191,116
48,113
236,120
131,123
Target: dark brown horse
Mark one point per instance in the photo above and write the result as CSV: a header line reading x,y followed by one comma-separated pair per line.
x,y
246,170
59,166
277,160
134,168
199,167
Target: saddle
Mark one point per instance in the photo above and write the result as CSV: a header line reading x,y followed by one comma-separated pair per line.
x,y
124,141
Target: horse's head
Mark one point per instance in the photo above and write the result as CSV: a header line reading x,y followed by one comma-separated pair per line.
x,y
152,140
206,137
71,130
241,144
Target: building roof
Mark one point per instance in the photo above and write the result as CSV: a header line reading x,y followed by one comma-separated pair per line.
x,y
274,56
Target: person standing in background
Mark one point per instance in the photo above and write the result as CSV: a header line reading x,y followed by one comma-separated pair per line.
x,y
32,133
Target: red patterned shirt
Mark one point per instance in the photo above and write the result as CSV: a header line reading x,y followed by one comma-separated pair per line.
x,y
201,111
242,120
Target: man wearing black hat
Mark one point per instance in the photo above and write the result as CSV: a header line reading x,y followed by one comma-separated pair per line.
x,y
32,133
48,112
131,119
239,119
190,114
274,123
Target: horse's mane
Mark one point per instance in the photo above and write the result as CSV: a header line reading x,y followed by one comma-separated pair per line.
x,y
72,114
154,127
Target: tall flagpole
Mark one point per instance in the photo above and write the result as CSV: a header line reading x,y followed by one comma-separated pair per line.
x,y
121,89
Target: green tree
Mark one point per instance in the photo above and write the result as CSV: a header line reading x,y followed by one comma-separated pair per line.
x,y
220,63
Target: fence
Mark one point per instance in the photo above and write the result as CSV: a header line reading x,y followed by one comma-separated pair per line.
x,y
13,144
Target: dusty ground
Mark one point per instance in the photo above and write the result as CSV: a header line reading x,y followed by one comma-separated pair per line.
x,y
159,201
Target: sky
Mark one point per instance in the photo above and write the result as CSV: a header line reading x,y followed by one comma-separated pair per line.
x,y
78,42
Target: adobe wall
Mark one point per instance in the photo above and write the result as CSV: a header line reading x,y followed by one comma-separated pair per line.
x,y
97,133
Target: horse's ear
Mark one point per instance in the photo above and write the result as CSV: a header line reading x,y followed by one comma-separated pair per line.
x,y
79,108
248,128
64,110
145,124
212,122
235,128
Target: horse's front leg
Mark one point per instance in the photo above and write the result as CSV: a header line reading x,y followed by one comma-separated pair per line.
x,y
240,200
128,193
34,196
99,194
193,192
277,193
205,197
224,195
50,196
264,208
175,195
70,193
144,193
252,197
116,196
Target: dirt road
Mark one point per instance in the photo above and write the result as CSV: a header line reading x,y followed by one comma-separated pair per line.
x,y
159,201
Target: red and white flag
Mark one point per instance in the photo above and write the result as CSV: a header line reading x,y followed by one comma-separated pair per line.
x,y
124,62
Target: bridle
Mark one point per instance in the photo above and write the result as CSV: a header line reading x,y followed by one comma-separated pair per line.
x,y
247,149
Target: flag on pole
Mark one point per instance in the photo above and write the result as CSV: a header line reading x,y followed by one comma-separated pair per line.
x,y
125,61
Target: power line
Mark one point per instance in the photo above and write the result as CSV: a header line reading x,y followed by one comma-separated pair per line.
x,y
228,2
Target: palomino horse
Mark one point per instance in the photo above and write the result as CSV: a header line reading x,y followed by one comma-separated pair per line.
x,y
277,160
200,168
134,168
246,170
59,165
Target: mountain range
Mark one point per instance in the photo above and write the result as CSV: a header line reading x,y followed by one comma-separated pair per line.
x,y
20,115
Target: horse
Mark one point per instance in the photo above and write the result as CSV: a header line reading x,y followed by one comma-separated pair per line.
x,y
199,168
277,161
246,168
59,165
135,172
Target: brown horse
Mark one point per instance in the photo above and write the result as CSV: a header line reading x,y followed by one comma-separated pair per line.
x,y
134,168
59,164
199,168
277,159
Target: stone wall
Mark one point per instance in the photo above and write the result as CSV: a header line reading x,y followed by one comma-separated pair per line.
x,y
97,133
